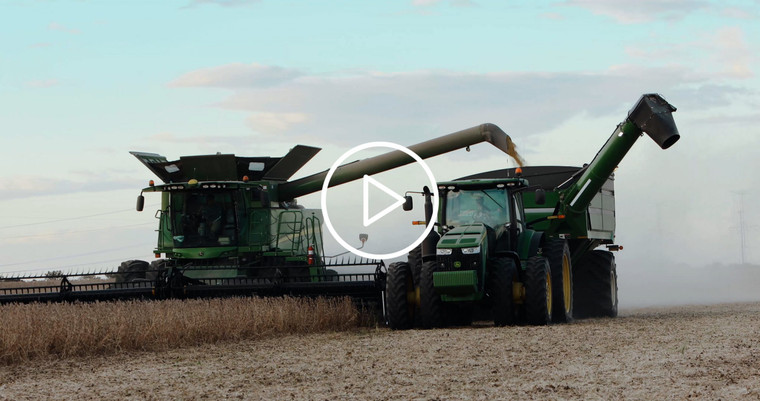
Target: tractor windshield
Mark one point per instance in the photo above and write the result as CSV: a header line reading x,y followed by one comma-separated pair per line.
x,y
203,218
488,206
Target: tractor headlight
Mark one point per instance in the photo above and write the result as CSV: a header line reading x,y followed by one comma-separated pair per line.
x,y
443,251
470,251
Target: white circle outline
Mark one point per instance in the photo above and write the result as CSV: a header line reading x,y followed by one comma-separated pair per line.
x,y
325,186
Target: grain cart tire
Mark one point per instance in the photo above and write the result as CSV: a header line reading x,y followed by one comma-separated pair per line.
x,y
596,285
415,262
557,251
398,287
431,306
538,293
132,271
501,275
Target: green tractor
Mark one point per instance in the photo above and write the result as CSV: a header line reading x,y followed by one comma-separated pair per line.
x,y
520,245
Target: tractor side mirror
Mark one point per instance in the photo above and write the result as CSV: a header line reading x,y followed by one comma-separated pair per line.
x,y
140,203
540,196
408,204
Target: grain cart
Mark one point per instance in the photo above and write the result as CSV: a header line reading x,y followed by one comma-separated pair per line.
x,y
231,225
521,244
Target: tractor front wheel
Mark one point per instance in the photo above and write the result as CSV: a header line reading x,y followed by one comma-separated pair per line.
x,y
399,291
557,252
500,284
431,308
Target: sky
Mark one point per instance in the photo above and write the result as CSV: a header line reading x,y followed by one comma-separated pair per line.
x,y
82,83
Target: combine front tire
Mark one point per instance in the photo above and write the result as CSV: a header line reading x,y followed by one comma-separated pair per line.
x,y
431,308
131,271
538,291
500,287
399,290
596,285
558,253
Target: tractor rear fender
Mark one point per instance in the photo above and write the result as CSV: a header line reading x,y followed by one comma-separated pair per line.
x,y
528,243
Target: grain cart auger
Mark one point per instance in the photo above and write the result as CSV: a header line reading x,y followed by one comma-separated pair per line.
x,y
518,245
231,225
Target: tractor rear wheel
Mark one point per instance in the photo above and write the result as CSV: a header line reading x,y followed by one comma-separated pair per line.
x,y
596,285
538,291
557,251
500,284
398,290
431,308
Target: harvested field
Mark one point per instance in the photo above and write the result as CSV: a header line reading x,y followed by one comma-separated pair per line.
x,y
695,352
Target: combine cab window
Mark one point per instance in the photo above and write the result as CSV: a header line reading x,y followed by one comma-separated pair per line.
x,y
488,206
203,219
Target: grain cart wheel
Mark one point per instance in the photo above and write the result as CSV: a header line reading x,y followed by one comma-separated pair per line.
x,y
538,291
431,308
557,252
156,267
399,296
596,285
501,275
132,271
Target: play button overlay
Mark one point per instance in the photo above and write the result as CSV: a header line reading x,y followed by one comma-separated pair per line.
x,y
380,195
365,184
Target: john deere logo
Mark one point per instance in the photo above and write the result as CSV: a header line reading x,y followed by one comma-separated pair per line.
x,y
457,264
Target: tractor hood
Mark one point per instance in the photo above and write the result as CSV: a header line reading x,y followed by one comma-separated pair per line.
x,y
466,236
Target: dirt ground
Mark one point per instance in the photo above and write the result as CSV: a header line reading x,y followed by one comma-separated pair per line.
x,y
695,352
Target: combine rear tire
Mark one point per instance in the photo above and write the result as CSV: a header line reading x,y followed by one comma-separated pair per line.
x,y
596,285
131,271
431,308
557,252
500,278
398,288
538,291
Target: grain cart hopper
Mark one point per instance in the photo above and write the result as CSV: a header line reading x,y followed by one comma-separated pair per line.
x,y
231,225
520,244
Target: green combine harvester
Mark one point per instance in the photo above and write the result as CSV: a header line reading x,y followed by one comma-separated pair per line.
x,y
231,225
520,245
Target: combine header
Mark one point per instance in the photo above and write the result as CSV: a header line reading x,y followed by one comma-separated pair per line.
x,y
231,225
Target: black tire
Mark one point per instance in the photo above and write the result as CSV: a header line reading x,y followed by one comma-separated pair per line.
x,y
131,271
500,278
596,285
156,267
331,275
398,284
538,294
431,308
415,262
557,251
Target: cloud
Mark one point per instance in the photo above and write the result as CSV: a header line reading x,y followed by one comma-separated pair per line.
x,y
640,11
733,52
428,3
236,75
40,45
392,106
22,187
54,26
